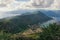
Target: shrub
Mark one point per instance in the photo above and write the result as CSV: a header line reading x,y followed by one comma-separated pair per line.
x,y
51,32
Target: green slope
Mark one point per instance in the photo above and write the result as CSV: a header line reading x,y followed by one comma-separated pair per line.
x,y
20,23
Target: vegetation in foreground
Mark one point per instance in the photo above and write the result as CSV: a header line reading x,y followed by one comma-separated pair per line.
x,y
51,32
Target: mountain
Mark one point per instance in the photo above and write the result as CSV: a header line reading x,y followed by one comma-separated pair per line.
x,y
14,13
53,13
20,11
50,13
32,18
20,23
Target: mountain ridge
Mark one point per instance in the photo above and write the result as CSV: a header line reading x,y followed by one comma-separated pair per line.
x,y
21,22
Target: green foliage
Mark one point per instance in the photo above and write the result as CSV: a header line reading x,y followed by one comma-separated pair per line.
x,y
51,32
4,36
11,27
20,23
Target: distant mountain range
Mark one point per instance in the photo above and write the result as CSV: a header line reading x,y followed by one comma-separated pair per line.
x,y
52,13
21,22
32,18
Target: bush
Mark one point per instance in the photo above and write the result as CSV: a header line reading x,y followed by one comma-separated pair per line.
x,y
51,32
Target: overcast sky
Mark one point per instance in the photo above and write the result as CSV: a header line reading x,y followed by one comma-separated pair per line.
x,y
12,5
9,5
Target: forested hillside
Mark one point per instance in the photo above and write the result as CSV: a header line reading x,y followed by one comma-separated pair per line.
x,y
21,23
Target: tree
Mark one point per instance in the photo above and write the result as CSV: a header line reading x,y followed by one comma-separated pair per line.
x,y
51,32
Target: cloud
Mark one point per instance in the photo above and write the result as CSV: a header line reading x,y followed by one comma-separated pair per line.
x,y
46,4
22,0
42,3
10,5
38,4
56,4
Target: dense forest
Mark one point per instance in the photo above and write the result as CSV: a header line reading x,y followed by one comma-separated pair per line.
x,y
51,32
22,22
27,27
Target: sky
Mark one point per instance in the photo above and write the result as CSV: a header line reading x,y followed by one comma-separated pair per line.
x,y
11,5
